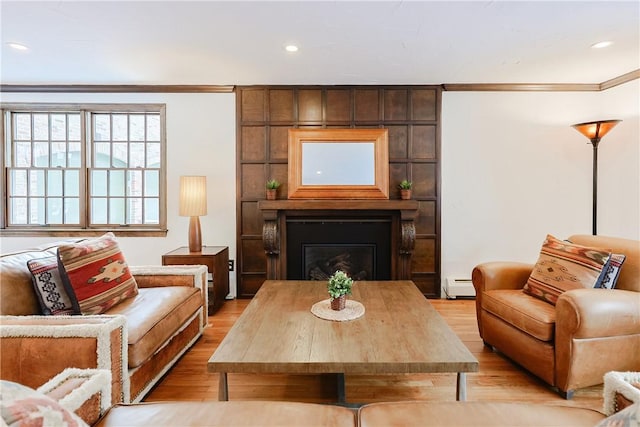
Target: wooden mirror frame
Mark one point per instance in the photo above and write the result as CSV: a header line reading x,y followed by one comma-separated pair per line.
x,y
380,188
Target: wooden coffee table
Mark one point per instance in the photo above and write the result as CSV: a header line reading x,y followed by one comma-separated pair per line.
x,y
399,333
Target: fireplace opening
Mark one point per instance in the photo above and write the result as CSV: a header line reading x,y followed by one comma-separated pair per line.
x,y
316,248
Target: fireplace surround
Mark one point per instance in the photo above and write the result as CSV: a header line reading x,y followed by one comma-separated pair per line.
x,y
292,222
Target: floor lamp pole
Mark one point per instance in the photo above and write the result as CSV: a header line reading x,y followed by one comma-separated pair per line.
x,y
595,131
594,215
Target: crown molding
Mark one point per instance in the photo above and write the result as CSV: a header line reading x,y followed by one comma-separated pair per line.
x,y
542,87
117,88
521,87
451,87
616,81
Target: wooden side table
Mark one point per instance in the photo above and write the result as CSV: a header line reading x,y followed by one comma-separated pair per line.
x,y
216,258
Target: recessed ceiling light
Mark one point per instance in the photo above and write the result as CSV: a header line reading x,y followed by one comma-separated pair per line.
x,y
291,48
17,46
600,45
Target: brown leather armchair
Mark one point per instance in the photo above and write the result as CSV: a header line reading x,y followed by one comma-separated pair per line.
x,y
574,343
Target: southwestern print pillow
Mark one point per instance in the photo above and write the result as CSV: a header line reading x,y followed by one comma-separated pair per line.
x,y
563,266
52,295
95,274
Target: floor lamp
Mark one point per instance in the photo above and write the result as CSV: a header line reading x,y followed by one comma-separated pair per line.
x,y
193,203
595,131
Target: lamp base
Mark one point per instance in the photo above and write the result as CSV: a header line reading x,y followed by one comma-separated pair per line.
x,y
195,235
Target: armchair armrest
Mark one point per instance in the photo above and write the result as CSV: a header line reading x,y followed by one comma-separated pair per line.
x,y
87,392
595,313
36,348
500,275
595,321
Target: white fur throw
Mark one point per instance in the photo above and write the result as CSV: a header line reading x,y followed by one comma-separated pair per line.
x,y
619,382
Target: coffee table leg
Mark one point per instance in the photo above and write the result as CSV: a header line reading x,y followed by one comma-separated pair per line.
x,y
342,395
461,387
223,387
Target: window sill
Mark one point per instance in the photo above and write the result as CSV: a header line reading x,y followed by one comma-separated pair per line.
x,y
47,232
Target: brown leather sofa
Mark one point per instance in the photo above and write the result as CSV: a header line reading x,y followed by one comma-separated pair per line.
x,y
574,343
138,340
274,413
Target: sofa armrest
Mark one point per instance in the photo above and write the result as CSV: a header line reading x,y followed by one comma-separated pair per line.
x,y
153,276
621,389
36,348
87,392
500,275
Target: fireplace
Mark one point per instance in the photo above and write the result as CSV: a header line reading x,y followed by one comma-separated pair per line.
x,y
317,247
307,239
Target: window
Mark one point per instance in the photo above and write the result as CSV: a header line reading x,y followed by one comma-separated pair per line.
x,y
83,167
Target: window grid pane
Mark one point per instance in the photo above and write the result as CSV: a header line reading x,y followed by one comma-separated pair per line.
x,y
127,163
46,168
40,181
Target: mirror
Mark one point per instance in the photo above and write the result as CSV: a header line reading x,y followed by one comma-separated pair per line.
x,y
338,164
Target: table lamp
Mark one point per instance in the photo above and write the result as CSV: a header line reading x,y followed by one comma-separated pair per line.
x,y
193,203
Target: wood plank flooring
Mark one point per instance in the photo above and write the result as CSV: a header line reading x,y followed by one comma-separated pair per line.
x,y
499,379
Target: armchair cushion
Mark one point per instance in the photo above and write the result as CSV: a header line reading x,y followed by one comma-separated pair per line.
x,y
530,315
563,266
51,293
23,406
96,274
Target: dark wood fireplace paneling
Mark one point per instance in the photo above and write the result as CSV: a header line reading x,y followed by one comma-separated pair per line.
x,y
264,115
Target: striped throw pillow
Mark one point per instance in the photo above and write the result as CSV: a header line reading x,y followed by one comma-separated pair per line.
x,y
563,266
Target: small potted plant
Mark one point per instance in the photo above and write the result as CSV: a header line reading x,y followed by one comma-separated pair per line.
x,y
405,189
339,287
272,189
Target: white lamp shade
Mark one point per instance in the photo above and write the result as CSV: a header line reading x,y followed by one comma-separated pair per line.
x,y
193,195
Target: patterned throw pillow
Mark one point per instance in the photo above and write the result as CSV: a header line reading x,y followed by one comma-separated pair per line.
x,y
612,272
50,290
563,266
629,417
22,406
95,274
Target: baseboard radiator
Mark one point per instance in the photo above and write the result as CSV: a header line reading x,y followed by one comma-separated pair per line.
x,y
459,288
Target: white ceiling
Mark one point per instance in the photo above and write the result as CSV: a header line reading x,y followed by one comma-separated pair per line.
x,y
382,42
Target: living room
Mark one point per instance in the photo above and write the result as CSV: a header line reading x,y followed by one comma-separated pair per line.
x,y
512,170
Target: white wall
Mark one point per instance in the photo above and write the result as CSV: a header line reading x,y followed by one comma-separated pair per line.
x,y
200,141
514,170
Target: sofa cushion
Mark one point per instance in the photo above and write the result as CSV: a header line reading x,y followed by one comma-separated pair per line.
x,y
459,414
154,315
531,315
48,286
563,266
17,296
23,406
95,274
234,413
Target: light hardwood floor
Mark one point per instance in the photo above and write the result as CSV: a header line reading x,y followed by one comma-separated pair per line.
x,y
498,379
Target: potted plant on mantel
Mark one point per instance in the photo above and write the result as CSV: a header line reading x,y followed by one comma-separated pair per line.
x,y
405,189
272,189
339,286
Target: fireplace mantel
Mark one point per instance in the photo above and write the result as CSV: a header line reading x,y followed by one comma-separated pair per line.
x,y
275,212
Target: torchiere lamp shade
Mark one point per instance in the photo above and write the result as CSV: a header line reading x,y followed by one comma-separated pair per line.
x,y
193,203
596,130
